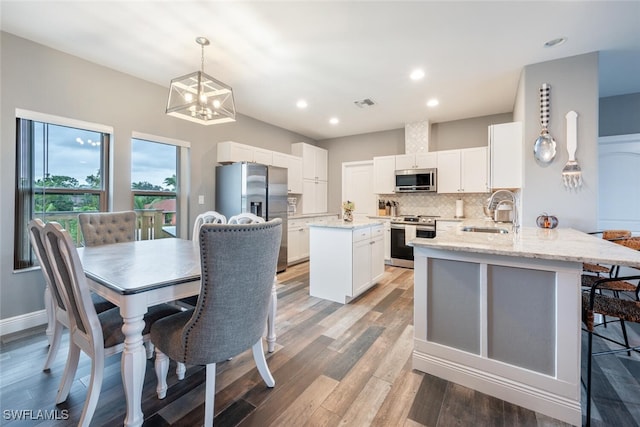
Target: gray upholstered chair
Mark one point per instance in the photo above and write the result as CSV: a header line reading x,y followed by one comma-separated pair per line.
x,y
57,315
97,335
238,265
209,217
102,228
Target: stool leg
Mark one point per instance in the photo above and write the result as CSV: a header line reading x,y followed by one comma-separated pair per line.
x,y
589,351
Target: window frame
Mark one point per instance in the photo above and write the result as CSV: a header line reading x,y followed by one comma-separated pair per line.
x,y
183,149
23,257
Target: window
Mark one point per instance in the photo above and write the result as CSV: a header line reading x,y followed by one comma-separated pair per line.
x,y
61,169
155,180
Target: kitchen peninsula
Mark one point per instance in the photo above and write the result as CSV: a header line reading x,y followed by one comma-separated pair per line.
x,y
501,313
345,258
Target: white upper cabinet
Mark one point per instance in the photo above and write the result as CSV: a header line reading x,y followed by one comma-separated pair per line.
x,y
448,171
416,161
474,170
262,156
294,170
384,168
231,152
462,171
314,160
314,177
314,196
505,155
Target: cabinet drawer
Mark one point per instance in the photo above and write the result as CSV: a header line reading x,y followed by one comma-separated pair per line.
x,y
377,231
296,224
362,234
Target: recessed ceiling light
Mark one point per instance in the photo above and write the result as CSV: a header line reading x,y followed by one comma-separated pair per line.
x,y
555,42
334,120
417,74
301,104
432,102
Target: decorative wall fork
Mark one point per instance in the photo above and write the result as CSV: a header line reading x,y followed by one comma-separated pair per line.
x,y
571,173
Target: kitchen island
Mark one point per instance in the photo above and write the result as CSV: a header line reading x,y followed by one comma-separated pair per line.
x,y
345,258
501,313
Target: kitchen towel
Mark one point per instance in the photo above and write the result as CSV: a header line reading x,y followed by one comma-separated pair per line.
x,y
409,233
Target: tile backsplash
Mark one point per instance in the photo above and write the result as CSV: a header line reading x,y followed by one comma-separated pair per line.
x,y
443,205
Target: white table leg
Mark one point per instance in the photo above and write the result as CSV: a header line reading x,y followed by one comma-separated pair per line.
x,y
271,318
133,362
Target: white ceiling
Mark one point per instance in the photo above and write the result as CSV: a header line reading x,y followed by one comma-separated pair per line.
x,y
335,53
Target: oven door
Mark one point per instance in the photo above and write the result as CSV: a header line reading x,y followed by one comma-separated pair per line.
x,y
401,254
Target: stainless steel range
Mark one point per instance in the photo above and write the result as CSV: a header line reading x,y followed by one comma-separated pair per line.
x,y
404,229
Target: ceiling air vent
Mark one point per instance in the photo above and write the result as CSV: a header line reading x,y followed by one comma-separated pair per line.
x,y
364,103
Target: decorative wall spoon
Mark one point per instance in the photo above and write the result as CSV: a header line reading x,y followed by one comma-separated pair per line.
x,y
544,149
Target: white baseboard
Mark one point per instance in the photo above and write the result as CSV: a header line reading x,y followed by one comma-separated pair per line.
x,y
23,322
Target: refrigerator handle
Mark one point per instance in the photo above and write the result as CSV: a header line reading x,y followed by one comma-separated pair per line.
x,y
256,208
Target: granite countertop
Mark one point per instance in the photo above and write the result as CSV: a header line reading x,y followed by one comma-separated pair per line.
x,y
302,216
346,225
563,244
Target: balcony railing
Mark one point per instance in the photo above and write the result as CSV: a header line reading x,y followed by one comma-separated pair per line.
x,y
150,224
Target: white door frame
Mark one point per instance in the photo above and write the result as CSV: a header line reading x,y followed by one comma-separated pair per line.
x,y
372,210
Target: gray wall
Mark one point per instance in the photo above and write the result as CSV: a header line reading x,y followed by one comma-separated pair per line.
x,y
574,86
466,133
620,115
452,135
34,77
355,148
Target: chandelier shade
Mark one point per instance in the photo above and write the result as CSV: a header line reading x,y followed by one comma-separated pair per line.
x,y
200,98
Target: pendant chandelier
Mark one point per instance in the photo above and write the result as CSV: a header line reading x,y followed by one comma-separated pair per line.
x,y
200,98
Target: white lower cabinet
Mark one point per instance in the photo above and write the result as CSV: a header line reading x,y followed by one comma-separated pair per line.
x,y
345,261
387,241
298,241
298,237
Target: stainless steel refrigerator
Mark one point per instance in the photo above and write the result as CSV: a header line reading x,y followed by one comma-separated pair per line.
x,y
254,188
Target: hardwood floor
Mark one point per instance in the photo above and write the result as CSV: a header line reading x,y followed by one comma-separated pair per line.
x,y
333,365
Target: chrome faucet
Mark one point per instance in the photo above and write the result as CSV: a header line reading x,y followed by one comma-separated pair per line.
x,y
514,202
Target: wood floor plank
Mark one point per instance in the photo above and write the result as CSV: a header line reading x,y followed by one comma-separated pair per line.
x,y
269,407
457,407
428,401
345,361
366,405
322,417
515,415
301,409
393,360
395,408
334,364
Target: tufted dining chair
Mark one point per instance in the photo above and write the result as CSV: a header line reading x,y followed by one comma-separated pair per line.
x,y
245,218
238,265
58,318
97,335
103,228
209,217
249,218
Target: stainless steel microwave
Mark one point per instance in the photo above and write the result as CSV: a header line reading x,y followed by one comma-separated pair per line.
x,y
416,180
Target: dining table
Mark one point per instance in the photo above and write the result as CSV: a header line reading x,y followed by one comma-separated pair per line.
x,y
140,274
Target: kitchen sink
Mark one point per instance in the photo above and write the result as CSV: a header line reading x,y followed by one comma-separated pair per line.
x,y
486,230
